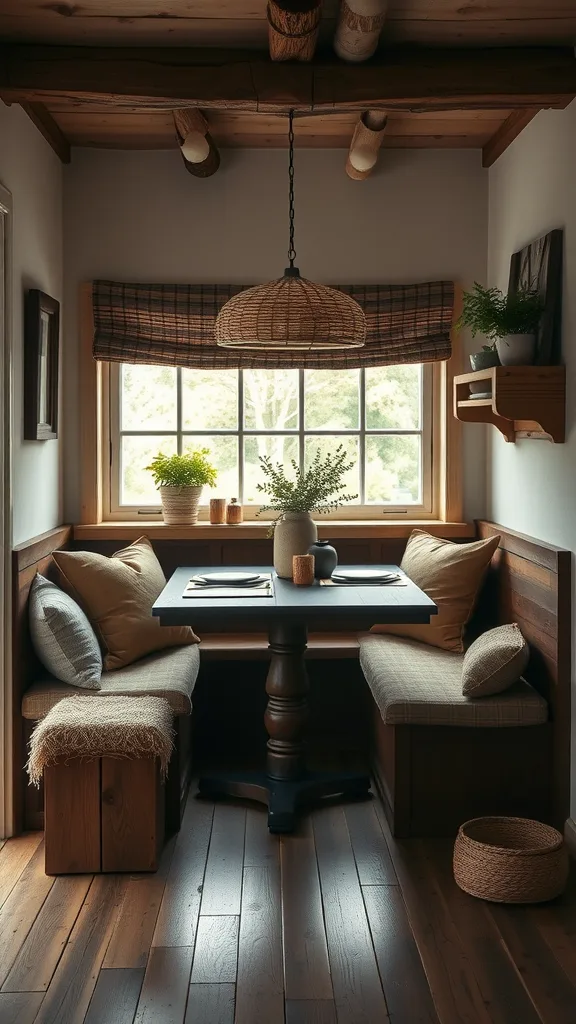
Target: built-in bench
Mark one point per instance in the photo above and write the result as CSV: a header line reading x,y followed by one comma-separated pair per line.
x,y
431,776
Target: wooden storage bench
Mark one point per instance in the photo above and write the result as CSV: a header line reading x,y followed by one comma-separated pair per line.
x,y
105,814
439,758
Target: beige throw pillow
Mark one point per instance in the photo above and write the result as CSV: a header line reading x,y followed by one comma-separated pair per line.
x,y
450,574
117,595
494,661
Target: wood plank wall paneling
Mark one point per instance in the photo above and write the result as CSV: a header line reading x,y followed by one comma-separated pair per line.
x,y
530,583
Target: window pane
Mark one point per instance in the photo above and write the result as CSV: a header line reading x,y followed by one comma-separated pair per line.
x,y
331,399
224,456
393,397
328,446
136,483
280,449
393,473
210,399
270,399
147,397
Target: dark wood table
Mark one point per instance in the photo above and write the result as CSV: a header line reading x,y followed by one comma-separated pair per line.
x,y
287,615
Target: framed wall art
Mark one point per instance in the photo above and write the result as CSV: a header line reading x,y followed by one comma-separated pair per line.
x,y
538,266
41,359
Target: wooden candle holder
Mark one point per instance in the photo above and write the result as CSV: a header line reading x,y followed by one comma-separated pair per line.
x,y
303,570
217,511
293,28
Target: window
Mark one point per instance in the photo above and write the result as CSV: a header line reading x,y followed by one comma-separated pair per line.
x,y
382,416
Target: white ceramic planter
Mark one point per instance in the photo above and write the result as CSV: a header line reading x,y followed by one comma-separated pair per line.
x,y
293,535
180,505
517,349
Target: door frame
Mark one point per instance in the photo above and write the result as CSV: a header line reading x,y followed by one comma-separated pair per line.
x,y
6,708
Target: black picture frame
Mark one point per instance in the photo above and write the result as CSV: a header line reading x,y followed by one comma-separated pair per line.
x,y
538,266
41,365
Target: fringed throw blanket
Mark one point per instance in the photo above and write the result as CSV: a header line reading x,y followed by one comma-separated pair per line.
x,y
90,727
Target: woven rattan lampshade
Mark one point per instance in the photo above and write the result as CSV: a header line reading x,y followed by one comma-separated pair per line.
x,y
291,312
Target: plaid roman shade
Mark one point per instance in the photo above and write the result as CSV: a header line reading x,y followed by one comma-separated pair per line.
x,y
173,325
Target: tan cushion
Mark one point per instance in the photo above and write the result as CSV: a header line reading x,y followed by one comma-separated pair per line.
x,y
450,574
414,684
494,661
169,674
117,595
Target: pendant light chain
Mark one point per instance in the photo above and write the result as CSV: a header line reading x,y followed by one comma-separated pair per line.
x,y
291,250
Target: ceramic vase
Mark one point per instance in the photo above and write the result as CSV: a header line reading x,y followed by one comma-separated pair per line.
x,y
325,559
180,505
517,349
293,535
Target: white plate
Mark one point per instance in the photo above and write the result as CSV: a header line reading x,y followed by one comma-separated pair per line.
x,y
229,578
363,574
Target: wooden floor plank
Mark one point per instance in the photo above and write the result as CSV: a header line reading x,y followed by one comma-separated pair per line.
x,y
216,950
260,984
210,1004
165,987
222,892
550,990
450,976
38,957
70,991
403,978
19,1007
115,997
306,966
357,991
21,910
132,937
180,907
310,1011
14,856
500,984
260,847
370,850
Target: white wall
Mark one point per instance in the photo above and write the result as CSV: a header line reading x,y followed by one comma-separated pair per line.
x,y
532,484
32,172
140,216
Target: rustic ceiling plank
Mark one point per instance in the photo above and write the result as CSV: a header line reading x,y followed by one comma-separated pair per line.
x,y
399,80
506,133
48,127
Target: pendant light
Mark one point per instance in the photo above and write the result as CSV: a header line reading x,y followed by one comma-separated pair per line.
x,y
291,312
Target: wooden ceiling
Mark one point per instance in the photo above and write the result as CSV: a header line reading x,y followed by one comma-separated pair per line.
x,y
132,123
242,23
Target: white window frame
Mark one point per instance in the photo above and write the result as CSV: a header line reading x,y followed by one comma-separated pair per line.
x,y
113,511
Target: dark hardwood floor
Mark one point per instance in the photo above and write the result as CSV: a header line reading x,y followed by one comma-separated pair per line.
x,y
337,924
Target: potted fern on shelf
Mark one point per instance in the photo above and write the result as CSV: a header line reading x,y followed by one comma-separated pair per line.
x,y
319,488
180,479
509,321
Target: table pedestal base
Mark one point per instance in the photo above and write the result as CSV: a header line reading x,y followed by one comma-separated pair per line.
x,y
283,797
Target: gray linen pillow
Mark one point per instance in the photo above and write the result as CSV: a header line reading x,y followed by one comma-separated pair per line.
x,y
494,661
62,636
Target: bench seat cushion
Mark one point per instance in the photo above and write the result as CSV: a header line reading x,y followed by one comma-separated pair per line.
x,y
170,674
414,684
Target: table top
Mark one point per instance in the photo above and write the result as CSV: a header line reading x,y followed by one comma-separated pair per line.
x,y
366,604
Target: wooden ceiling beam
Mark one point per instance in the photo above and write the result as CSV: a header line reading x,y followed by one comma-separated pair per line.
x,y
408,80
48,127
506,133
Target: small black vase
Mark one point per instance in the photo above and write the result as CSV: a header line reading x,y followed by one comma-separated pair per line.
x,y
325,559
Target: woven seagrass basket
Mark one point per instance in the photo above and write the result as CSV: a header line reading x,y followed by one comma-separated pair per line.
x,y
510,860
180,505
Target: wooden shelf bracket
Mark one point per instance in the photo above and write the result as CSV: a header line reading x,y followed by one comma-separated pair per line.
x,y
521,401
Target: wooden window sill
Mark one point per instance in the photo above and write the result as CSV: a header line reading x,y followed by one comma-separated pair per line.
x,y
332,530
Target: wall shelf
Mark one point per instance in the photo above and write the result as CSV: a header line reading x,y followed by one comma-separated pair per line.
x,y
525,401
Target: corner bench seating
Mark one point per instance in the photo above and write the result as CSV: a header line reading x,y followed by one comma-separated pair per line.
x,y
431,776
171,674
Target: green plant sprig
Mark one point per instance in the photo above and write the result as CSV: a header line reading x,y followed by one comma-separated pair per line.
x,y
316,489
488,311
191,469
